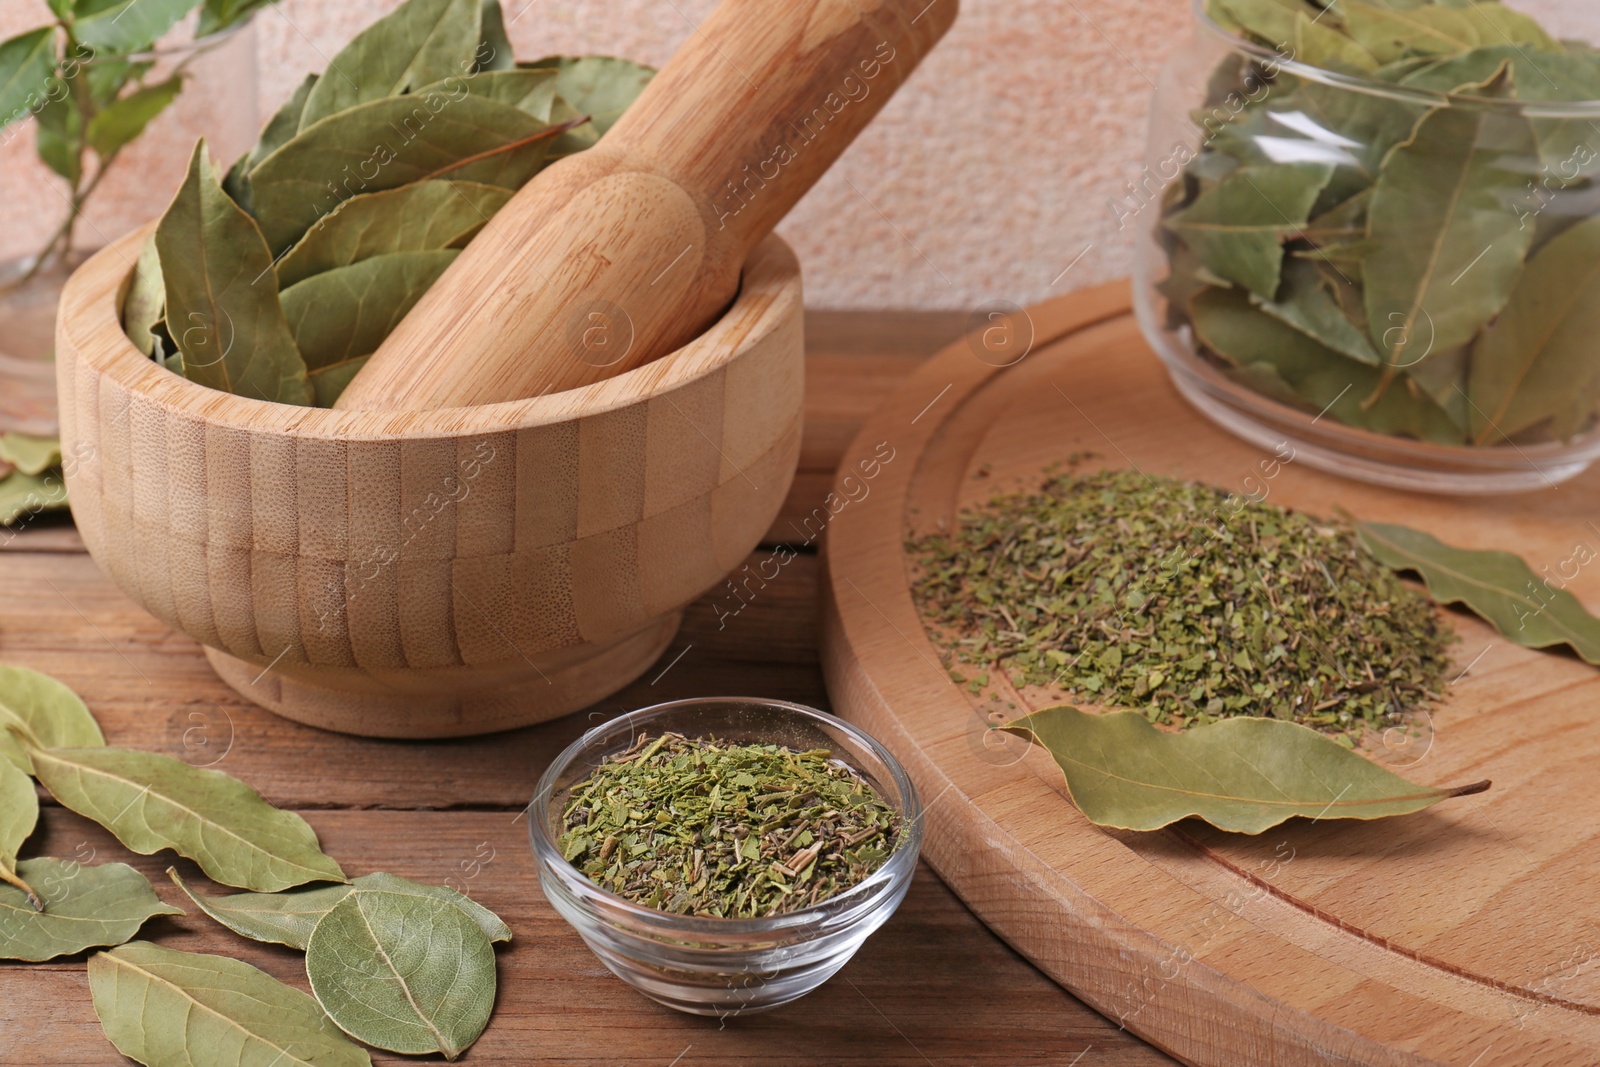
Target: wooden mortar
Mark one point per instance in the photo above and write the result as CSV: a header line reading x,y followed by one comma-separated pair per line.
x,y
439,573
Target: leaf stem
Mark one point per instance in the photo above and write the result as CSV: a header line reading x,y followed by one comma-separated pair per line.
x,y
13,879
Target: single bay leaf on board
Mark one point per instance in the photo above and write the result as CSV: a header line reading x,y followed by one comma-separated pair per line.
x,y
403,972
30,455
47,713
288,918
426,217
1539,356
1499,587
29,494
404,140
420,42
126,25
84,907
494,51
1391,35
146,302
27,63
19,814
345,313
602,87
1446,240
1239,227
151,802
164,1007
1267,351
1244,775
1307,303
222,307
283,125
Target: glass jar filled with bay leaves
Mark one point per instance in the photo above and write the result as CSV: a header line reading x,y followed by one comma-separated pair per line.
x,y
725,855
1371,229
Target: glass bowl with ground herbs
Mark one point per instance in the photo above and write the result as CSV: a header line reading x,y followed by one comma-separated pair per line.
x,y
1367,229
725,855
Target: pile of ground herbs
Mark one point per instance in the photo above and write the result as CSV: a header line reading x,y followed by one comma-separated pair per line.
x,y
701,827
1173,598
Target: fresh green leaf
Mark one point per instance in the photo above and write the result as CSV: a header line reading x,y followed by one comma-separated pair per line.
x,y
1445,246
27,63
429,216
602,87
146,302
495,51
404,972
19,814
288,918
30,455
1498,587
108,77
222,303
127,25
45,712
218,15
346,312
23,495
125,119
407,139
84,907
1239,227
1540,353
168,1008
58,134
154,802
420,42
1244,775
1307,302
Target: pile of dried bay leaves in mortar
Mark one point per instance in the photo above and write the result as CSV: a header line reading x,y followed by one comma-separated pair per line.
x,y
278,280
391,962
1413,254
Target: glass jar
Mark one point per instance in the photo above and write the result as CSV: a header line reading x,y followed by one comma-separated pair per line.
x,y
218,102
725,967
1389,269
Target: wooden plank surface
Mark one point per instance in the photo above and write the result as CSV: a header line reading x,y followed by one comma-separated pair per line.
x,y
933,987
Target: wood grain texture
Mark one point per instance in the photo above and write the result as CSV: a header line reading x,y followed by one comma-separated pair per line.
x,y
640,239
432,574
1465,935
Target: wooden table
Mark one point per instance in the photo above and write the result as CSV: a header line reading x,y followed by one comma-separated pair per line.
x,y
933,987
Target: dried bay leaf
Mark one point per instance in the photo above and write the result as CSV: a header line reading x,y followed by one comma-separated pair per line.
x,y
1238,227
1307,302
1540,353
152,802
345,313
429,216
1445,244
330,381
1270,21
1323,46
226,322
19,814
405,140
30,455
1498,587
29,494
1392,34
408,973
602,87
146,302
167,1008
288,918
1495,23
495,51
45,712
1243,775
279,130
420,42
84,907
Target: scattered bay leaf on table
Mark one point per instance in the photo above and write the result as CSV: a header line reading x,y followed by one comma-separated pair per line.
x,y
47,713
84,907
420,42
468,139
407,973
146,302
602,87
426,217
151,802
226,322
164,1007
27,63
126,25
1446,241
283,125
29,494
1238,227
288,918
1498,587
30,455
1539,355
19,814
1271,353
1243,775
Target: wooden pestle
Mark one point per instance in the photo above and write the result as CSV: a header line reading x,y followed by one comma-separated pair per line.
x,y
618,255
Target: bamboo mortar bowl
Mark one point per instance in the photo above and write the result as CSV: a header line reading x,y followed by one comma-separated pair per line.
x,y
440,573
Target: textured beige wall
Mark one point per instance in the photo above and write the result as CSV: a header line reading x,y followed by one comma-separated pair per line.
x,y
983,180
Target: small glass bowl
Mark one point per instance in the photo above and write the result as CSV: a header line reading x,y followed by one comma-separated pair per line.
x,y
724,967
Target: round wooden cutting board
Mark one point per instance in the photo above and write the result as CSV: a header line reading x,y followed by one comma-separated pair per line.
x,y
1468,934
